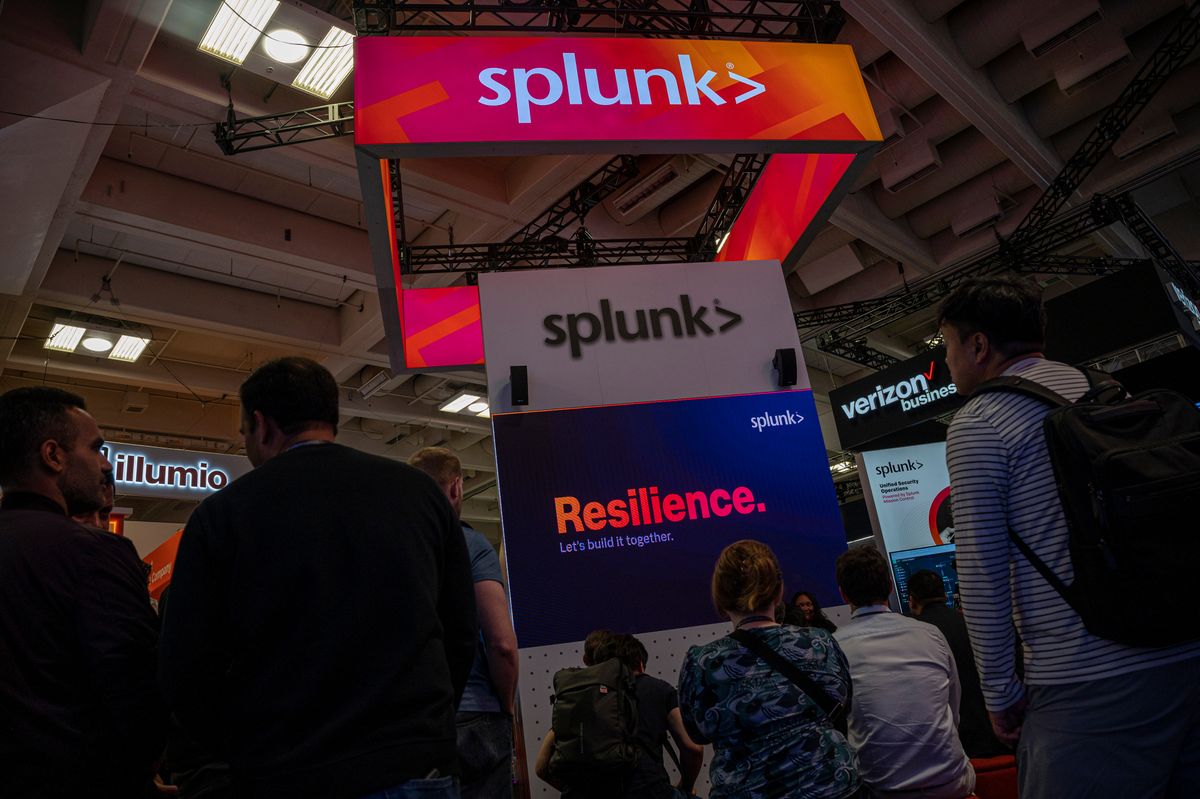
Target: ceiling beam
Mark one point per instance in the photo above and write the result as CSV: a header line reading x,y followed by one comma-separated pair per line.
x,y
930,51
858,215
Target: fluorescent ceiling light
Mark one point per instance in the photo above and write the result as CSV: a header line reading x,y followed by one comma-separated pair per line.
x,y
724,238
64,337
477,407
236,27
129,348
486,413
97,343
331,62
285,45
458,402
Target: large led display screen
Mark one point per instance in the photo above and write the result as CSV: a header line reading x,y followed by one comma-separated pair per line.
x,y
614,516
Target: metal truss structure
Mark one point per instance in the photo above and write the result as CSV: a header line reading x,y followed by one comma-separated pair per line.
x,y
780,20
541,243
274,130
1043,230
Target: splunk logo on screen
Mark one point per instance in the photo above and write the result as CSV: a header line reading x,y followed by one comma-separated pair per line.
x,y
688,321
134,469
893,467
765,420
643,506
911,393
544,87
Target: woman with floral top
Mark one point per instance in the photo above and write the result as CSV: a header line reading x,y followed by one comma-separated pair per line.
x,y
770,737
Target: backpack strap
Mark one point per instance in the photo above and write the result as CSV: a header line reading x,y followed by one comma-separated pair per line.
x,y
834,710
1019,385
1044,569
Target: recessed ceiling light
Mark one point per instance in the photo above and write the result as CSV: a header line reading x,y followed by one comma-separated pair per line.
x,y
477,407
236,27
129,348
64,337
456,403
96,343
331,62
285,46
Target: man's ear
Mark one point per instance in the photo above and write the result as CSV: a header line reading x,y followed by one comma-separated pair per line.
x,y
981,348
842,594
53,456
456,489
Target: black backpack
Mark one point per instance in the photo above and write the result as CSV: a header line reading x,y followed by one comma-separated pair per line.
x,y
1128,474
595,724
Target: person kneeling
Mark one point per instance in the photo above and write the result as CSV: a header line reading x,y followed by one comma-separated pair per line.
x,y
904,720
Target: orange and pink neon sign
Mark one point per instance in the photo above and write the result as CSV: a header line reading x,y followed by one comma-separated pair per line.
x,y
453,96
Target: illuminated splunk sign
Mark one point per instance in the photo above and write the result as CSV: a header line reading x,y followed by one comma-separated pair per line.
x,y
696,88
512,96
177,474
910,392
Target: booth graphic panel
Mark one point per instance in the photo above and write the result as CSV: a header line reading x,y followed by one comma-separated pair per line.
x,y
614,516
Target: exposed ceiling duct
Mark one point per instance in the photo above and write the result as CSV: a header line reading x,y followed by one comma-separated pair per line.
x,y
1059,24
657,181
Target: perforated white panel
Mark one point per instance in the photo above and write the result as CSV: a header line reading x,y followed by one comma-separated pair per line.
x,y
667,649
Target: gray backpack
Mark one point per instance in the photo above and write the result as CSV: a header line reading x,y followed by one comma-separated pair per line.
x,y
595,724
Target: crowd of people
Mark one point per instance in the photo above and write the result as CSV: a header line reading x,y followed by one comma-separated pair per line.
x,y
333,629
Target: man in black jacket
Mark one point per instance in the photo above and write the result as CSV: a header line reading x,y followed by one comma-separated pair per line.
x,y
322,619
927,600
80,713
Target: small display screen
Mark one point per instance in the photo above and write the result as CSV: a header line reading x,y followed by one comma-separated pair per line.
x,y
938,559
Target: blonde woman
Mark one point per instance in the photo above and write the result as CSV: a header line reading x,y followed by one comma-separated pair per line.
x,y
769,698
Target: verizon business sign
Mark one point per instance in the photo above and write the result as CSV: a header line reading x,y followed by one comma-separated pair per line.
x,y
141,471
914,391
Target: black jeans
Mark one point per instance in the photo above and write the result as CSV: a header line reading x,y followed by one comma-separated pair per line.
x,y
485,755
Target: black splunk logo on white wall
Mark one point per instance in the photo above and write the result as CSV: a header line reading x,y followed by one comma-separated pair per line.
x,y
687,321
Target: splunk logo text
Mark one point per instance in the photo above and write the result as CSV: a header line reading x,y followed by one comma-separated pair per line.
x,y
765,420
911,393
892,467
542,86
688,321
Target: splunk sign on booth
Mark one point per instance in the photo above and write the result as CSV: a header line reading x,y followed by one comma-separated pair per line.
x,y
627,502
142,471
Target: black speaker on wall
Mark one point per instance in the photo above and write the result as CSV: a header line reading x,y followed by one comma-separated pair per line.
x,y
518,380
785,365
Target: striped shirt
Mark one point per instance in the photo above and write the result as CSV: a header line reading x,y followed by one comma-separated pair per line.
x,y
1001,476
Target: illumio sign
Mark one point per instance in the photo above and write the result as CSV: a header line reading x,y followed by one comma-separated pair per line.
x,y
910,392
616,334
142,471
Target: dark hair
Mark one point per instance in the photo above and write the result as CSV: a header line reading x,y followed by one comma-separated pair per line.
x,y
746,577
297,393
863,576
926,585
29,416
811,598
625,648
595,639
439,463
1007,309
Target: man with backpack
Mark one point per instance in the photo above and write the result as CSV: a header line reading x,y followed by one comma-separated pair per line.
x,y
1055,516
610,726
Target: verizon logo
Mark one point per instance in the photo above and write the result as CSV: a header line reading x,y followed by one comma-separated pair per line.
x,y
911,393
542,86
